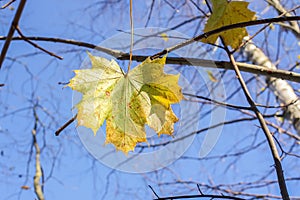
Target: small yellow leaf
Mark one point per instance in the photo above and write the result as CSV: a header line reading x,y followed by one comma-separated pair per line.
x,y
164,36
126,101
211,76
226,13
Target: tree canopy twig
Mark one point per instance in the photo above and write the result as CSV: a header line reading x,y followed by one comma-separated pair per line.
x,y
12,30
255,69
225,28
199,196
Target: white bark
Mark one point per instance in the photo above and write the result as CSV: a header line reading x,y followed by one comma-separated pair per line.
x,y
292,25
281,88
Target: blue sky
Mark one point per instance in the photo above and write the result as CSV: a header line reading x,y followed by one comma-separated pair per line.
x,y
70,171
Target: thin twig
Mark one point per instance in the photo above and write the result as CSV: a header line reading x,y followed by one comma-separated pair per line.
x,y
153,191
280,106
281,10
224,28
259,31
277,127
7,4
198,8
217,102
234,121
150,12
35,45
283,152
112,52
208,6
65,125
199,189
12,30
199,196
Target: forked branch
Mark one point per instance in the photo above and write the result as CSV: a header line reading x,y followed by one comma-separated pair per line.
x,y
263,124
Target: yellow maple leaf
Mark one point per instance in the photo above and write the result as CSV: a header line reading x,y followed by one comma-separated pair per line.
x,y
126,101
226,13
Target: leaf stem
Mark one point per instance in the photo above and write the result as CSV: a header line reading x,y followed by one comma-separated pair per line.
x,y
131,39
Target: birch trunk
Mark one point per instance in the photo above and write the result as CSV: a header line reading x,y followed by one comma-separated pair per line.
x,y
281,88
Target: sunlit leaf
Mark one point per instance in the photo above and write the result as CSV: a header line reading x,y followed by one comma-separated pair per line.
x,y
226,13
126,101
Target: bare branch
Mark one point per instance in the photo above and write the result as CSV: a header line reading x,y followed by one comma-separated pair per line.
x,y
282,11
225,28
112,52
153,191
35,45
7,4
255,69
12,30
199,196
217,102
38,169
272,145
65,125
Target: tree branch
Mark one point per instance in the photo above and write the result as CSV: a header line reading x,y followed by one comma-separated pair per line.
x,y
199,196
112,52
7,4
269,137
225,28
255,69
38,169
70,121
35,45
11,31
